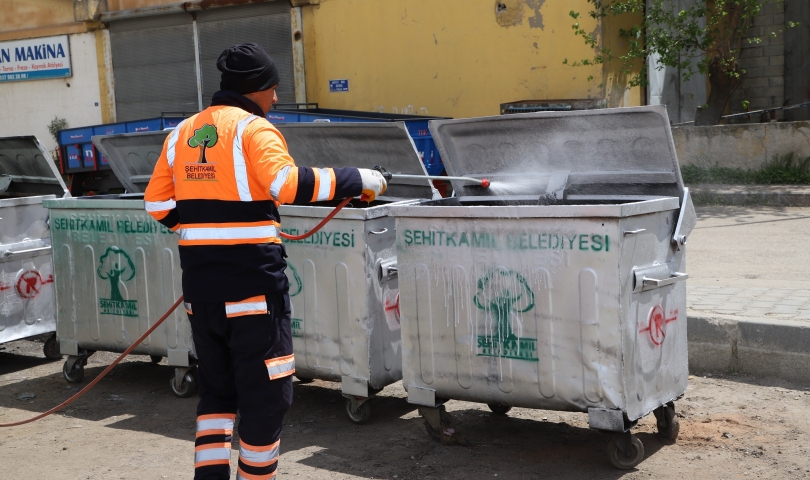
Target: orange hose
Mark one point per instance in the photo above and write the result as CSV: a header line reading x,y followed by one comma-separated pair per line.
x,y
320,225
157,324
102,374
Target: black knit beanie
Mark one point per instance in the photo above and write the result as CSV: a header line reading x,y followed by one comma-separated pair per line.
x,y
246,68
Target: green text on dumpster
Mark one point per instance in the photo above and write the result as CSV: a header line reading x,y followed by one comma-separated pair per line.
x,y
116,266
586,242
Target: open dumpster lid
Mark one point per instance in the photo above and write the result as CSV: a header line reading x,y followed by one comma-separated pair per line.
x,y
360,145
619,152
132,156
27,169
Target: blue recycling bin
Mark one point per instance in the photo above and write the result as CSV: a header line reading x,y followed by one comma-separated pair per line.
x,y
148,125
417,126
89,155
73,157
80,155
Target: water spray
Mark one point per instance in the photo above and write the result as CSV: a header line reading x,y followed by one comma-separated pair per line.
x,y
483,182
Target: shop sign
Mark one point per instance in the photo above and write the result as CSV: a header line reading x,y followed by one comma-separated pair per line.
x,y
35,59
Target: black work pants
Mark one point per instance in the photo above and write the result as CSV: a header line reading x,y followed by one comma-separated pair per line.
x,y
245,365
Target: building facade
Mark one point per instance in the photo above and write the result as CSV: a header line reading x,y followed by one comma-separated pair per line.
x,y
132,59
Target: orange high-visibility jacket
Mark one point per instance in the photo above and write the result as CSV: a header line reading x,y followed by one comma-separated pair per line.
x,y
218,183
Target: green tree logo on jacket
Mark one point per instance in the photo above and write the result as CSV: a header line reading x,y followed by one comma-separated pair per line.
x,y
205,137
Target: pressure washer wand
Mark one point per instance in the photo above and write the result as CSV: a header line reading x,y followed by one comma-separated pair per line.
x,y
483,182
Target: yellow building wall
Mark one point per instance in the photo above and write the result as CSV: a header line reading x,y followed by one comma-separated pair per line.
x,y
37,18
41,18
457,58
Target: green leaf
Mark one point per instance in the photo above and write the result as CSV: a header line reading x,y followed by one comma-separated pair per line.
x,y
205,135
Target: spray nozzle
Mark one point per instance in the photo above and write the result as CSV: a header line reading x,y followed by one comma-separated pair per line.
x,y
385,173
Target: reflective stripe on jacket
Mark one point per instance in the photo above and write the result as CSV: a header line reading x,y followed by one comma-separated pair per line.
x,y
218,183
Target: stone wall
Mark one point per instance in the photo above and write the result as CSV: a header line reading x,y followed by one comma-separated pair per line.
x,y
763,83
743,146
797,58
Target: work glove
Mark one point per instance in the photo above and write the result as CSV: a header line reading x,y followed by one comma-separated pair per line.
x,y
374,184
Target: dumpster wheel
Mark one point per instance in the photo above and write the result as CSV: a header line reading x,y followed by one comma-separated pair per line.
x,y
667,422
623,461
187,384
155,359
51,348
73,368
439,426
360,415
499,409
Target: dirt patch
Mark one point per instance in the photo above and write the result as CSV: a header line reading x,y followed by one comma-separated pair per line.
x,y
132,427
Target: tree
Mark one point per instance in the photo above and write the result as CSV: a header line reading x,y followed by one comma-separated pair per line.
x,y
111,267
502,291
205,137
55,126
705,37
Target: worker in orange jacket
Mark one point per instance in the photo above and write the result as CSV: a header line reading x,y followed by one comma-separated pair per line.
x,y
218,183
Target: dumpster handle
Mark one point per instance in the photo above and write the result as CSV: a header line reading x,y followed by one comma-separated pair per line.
x,y
677,238
8,253
320,225
384,230
102,374
634,232
655,283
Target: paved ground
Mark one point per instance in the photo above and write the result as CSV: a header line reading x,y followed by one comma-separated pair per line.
x,y
750,262
751,302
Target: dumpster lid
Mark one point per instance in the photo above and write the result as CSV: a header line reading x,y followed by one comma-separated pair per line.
x,y
132,156
27,169
361,145
591,153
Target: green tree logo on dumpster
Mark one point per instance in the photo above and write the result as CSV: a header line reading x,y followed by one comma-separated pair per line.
x,y
205,137
503,293
116,266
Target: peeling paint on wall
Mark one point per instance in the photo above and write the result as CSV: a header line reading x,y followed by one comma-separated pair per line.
x,y
434,75
537,20
509,13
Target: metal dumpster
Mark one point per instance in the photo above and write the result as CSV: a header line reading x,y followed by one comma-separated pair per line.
x,y
561,287
28,175
345,314
117,270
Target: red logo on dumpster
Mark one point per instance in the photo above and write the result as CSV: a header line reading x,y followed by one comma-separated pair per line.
x,y
30,283
657,324
392,306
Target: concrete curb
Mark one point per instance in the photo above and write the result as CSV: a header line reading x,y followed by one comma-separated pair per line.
x,y
755,346
753,195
